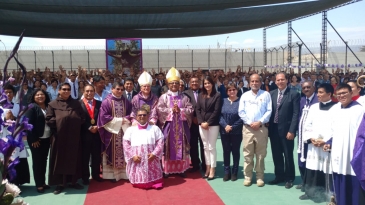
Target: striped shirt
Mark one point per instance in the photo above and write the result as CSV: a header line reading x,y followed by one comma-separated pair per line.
x,y
254,108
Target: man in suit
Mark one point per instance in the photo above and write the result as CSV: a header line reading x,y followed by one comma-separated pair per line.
x,y
161,80
282,128
315,82
241,91
91,142
306,101
192,94
129,93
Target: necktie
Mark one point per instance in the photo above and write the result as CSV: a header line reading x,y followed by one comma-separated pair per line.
x,y
196,96
90,102
307,102
74,89
129,96
276,118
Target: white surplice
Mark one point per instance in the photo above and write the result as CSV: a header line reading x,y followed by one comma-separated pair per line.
x,y
317,125
345,123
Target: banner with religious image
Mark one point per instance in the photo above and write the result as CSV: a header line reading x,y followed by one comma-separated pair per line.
x,y
123,55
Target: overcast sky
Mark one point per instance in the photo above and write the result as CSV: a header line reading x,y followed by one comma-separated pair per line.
x,y
348,20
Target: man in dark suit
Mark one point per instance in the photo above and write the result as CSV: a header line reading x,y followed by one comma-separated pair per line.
x,y
90,138
129,93
161,80
192,94
241,91
27,92
282,128
309,98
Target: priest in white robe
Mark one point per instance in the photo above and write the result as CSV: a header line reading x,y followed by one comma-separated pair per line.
x,y
316,131
348,116
143,146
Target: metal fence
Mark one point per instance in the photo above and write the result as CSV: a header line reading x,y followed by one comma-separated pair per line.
x,y
187,58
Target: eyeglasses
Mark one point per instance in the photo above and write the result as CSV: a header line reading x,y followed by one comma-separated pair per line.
x,y
66,89
174,83
142,115
342,94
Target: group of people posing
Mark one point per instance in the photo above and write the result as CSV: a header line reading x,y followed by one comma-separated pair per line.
x,y
145,138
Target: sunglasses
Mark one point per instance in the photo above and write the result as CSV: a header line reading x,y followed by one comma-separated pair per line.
x,y
142,115
66,89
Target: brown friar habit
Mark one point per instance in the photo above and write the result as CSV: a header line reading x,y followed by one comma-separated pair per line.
x,y
65,117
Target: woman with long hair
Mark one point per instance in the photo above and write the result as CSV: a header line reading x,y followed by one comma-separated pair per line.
x,y
39,137
208,110
295,84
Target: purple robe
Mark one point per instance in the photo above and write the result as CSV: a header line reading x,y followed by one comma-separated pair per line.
x,y
175,126
112,144
358,157
150,104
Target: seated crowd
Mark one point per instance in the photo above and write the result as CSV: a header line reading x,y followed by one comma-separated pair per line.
x,y
145,126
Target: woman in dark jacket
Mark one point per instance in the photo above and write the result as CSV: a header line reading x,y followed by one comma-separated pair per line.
x,y
231,132
208,110
38,138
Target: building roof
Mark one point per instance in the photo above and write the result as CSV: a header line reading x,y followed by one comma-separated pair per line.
x,y
88,19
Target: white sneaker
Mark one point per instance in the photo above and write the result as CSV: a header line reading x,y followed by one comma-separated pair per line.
x,y
247,182
260,183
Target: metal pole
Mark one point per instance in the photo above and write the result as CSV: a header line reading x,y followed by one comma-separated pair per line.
x,y
344,41
175,58
289,42
88,60
300,54
17,56
304,45
71,59
277,58
192,60
242,58
225,61
324,38
158,60
254,60
346,56
53,61
35,60
209,58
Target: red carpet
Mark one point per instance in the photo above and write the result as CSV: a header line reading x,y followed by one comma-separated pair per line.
x,y
177,190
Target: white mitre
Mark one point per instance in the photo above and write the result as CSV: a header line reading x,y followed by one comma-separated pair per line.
x,y
145,79
173,75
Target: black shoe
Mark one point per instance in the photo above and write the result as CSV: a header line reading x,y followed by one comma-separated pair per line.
x,y
227,177
211,178
299,186
183,175
41,191
46,186
205,176
165,175
76,186
85,182
289,184
234,177
98,179
275,181
58,190
113,180
304,197
194,169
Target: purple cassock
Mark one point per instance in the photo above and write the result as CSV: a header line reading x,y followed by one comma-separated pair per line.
x,y
150,104
358,157
175,127
112,144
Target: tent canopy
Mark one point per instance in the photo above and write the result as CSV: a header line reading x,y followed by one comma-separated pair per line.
x,y
90,19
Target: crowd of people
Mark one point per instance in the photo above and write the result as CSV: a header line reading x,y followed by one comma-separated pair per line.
x,y
145,126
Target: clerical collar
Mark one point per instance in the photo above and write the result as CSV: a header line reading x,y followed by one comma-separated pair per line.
x,y
310,98
116,96
174,93
141,127
352,103
326,102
